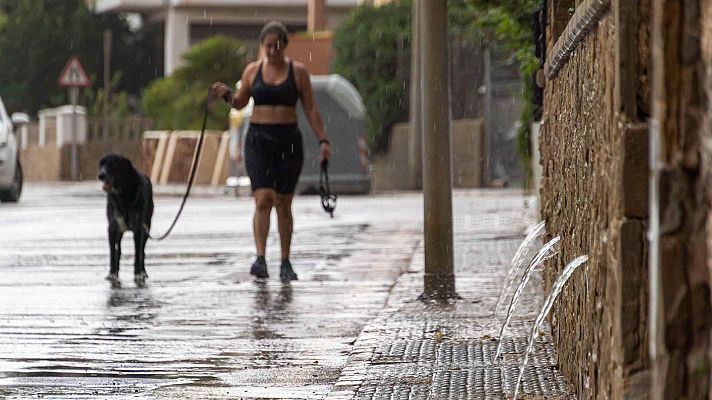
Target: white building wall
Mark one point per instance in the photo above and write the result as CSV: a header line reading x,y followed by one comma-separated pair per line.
x,y
177,38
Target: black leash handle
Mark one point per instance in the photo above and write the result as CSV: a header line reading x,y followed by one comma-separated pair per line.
x,y
193,171
328,199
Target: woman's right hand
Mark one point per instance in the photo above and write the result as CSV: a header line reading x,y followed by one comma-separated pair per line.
x,y
222,91
325,149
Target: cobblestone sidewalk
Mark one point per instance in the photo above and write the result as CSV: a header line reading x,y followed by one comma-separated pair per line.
x,y
413,350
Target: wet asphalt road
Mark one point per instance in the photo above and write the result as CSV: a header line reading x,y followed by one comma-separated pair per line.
x,y
201,328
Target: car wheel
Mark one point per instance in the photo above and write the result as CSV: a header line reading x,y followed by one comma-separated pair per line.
x,y
12,195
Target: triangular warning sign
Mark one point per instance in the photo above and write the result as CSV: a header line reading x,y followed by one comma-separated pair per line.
x,y
73,75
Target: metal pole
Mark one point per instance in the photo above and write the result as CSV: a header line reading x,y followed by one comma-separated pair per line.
x,y
656,324
415,142
107,81
487,161
73,94
439,280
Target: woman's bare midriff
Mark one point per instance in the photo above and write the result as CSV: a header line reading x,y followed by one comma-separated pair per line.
x,y
274,115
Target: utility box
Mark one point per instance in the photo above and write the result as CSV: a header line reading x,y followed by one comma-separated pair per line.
x,y
59,126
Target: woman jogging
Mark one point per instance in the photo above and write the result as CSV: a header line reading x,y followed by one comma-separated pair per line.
x,y
273,146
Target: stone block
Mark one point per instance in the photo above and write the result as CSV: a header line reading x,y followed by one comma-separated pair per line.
x,y
637,386
467,136
636,171
634,297
41,164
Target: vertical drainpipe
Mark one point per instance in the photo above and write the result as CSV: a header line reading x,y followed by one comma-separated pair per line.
x,y
655,324
489,137
654,319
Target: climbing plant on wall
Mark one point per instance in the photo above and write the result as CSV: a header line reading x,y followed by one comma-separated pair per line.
x,y
510,23
367,49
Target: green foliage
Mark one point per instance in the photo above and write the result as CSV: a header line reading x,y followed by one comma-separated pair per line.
x,y
510,23
176,102
366,51
118,106
37,37
526,118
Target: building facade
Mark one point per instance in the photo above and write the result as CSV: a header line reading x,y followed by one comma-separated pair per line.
x,y
186,22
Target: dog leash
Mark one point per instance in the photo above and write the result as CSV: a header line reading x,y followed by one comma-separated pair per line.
x,y
328,199
193,170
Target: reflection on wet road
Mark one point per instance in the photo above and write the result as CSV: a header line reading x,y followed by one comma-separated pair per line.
x,y
201,327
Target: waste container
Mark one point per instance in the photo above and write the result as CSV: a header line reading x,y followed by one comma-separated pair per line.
x,y
344,116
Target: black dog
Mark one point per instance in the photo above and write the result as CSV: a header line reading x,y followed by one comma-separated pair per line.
x,y
129,207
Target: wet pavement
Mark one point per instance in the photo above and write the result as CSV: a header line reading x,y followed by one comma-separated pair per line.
x,y
419,350
202,328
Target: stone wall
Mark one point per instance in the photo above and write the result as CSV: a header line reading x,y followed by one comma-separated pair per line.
x,y
52,163
580,154
467,140
594,195
638,77
49,162
41,164
681,306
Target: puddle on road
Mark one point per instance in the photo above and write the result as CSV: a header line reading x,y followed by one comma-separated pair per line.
x,y
76,386
187,328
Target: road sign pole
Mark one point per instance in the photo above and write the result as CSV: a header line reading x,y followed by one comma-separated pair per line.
x,y
74,77
73,94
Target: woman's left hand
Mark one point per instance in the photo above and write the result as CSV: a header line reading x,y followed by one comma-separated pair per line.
x,y
325,151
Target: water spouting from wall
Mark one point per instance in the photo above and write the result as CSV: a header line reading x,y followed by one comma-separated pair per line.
x,y
546,252
517,262
555,290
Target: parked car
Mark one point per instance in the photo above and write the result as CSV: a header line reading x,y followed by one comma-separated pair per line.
x,y
10,168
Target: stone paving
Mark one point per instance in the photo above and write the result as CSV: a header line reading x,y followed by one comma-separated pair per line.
x,y
417,350
349,328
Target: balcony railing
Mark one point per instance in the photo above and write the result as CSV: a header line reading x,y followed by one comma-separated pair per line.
x,y
102,6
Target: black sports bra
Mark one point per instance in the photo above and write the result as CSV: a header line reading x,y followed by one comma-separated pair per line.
x,y
284,94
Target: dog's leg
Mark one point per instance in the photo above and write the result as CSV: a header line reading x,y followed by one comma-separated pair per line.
x,y
140,274
114,251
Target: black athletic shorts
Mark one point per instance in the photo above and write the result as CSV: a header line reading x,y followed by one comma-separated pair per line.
x,y
274,155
